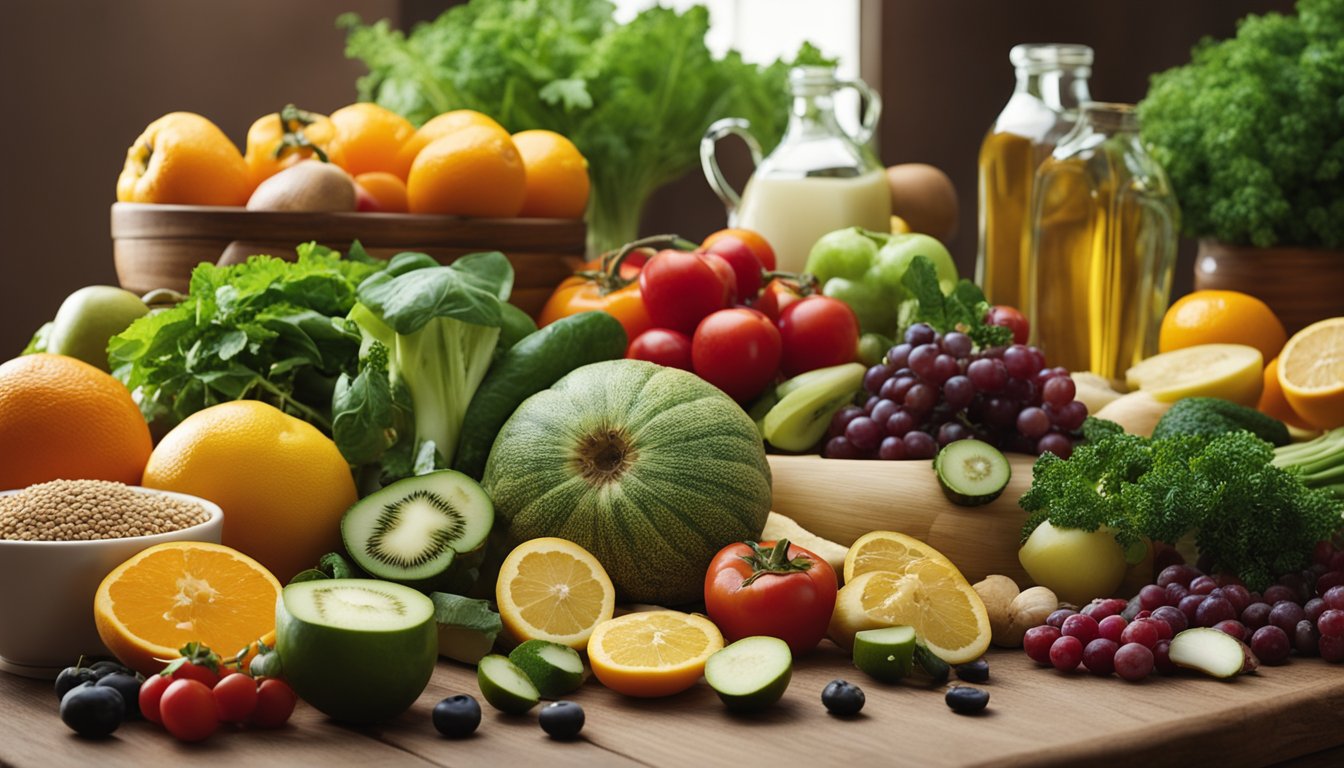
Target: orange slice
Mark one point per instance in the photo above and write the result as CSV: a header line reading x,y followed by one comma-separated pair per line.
x,y
1311,373
553,589
182,591
657,653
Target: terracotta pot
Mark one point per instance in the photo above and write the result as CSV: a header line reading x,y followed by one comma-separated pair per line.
x,y
1301,285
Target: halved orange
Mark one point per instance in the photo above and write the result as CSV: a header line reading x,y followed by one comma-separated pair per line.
x,y
553,589
657,653
1311,372
182,591
887,551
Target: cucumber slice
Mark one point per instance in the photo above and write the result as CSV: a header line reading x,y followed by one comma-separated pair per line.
x,y
886,654
929,663
751,674
505,686
971,472
412,530
553,668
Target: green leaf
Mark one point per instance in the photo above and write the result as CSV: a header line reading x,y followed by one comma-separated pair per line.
x,y
407,300
921,283
362,409
489,271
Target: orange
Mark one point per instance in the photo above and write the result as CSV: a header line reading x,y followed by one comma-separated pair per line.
x,y
557,175
61,418
184,158
178,592
437,127
657,653
475,171
369,138
387,190
1311,373
282,484
278,140
553,589
1221,317
1273,403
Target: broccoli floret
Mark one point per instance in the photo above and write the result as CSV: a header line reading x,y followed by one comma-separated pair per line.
x,y
1214,416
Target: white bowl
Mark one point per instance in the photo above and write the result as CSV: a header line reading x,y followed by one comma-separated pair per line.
x,y
47,590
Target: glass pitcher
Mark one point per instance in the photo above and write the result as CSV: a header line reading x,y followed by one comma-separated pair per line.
x,y
1051,85
817,180
1103,246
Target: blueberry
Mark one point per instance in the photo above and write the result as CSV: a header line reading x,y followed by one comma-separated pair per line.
x,y
974,672
842,698
102,669
965,700
129,688
93,711
561,719
457,716
71,677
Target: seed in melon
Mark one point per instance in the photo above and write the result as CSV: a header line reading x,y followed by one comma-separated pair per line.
x,y
651,469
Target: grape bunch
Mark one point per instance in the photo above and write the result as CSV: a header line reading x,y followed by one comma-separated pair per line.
x,y
935,388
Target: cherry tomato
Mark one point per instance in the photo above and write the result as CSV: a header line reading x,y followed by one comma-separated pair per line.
x,y
751,239
188,710
661,346
681,288
275,703
737,350
782,591
817,332
1009,317
747,265
151,691
235,697
776,297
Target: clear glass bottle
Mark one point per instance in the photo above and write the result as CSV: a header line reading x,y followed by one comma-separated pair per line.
x,y
1051,84
817,180
1103,244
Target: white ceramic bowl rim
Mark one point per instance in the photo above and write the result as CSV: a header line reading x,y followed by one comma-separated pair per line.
x,y
213,512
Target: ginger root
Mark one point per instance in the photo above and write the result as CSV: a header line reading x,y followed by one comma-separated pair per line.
x,y
1012,611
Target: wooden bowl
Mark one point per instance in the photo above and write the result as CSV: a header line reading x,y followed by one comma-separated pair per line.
x,y
157,246
1301,285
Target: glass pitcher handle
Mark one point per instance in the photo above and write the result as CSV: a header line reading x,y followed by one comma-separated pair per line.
x,y
870,114
709,161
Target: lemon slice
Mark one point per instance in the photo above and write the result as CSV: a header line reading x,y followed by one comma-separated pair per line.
x,y
931,596
888,551
553,589
1229,371
1311,373
657,653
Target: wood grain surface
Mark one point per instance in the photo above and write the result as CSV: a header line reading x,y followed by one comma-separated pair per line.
x,y
1036,717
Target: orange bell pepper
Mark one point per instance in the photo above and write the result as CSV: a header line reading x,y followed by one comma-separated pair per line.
x,y
278,140
609,284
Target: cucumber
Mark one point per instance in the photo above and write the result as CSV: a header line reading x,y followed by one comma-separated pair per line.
x,y
929,663
553,668
533,364
751,674
972,473
886,654
505,686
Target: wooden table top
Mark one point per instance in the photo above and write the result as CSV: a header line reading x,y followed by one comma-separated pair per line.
x,y
1035,717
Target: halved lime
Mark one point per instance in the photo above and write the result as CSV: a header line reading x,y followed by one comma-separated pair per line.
x,y
751,674
553,668
505,686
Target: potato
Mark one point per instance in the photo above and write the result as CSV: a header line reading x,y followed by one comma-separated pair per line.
x,y
311,185
1137,412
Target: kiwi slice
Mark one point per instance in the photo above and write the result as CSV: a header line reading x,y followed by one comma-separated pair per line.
x,y
412,530
972,472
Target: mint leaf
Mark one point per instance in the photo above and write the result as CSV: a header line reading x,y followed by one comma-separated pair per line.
x,y
920,281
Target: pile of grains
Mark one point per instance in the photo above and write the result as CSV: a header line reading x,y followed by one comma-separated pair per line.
x,y
84,510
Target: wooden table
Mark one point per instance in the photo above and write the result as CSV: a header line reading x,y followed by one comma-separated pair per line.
x,y
1035,717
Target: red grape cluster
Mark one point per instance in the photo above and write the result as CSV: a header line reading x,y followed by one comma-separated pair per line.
x,y
934,389
1302,612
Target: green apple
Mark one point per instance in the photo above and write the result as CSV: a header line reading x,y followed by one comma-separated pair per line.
x,y
847,253
88,318
894,258
1076,565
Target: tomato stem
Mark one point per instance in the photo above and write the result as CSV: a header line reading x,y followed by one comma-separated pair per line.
x,y
765,560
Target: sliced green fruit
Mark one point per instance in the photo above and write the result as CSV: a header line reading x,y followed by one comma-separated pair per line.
x,y
505,686
972,472
751,674
412,530
799,420
553,668
359,650
886,654
928,662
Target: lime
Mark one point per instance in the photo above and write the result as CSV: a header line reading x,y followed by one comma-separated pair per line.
x,y
886,654
553,668
505,686
751,674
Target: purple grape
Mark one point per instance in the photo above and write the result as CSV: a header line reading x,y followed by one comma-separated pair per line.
x,y
951,432
1277,593
1189,605
1066,653
1238,595
1175,592
1057,616
921,398
891,449
1270,644
840,448
1081,626
883,411
1331,648
900,423
1256,615
919,445
1162,658
922,361
1306,638
873,378
898,356
1070,416
894,389
1203,585
1055,443
1213,610
987,375
957,344
999,413
1032,422
1331,623
1327,580
1102,607
1018,361
1334,598
1059,391
1021,391
919,333
1133,662
1099,656
842,418
1177,574
1152,596
1172,616
993,353
1285,615
944,368
1232,627
1313,609
958,392
864,433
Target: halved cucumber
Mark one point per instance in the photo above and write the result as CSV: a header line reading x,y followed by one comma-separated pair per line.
x,y
751,674
886,654
553,668
412,530
972,472
505,686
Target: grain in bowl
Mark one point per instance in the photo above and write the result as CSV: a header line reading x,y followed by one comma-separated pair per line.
x,y
88,510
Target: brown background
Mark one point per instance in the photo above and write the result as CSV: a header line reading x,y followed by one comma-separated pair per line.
x,y
83,78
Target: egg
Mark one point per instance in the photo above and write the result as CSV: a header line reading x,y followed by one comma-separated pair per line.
x,y
923,196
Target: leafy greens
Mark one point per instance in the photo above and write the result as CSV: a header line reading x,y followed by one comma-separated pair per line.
x,y
964,309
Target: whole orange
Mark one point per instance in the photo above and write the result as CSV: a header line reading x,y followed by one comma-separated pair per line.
x,y
369,138
475,171
186,159
61,418
1221,317
283,485
436,128
557,175
387,190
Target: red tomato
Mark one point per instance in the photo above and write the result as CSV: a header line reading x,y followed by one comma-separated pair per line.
x,y
275,703
752,589
1009,317
151,691
747,266
777,295
235,697
752,240
736,350
188,710
680,288
661,346
817,332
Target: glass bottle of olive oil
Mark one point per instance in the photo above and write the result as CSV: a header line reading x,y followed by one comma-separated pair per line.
x,y
1051,84
1103,245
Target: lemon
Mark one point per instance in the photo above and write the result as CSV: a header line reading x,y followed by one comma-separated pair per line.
x,y
553,589
1311,373
656,653
930,595
1230,371
888,551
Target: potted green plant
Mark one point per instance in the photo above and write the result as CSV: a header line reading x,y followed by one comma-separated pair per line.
x,y
1251,134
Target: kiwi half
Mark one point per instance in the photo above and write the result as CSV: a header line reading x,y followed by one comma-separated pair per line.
x,y
413,529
